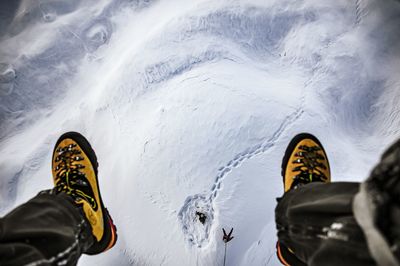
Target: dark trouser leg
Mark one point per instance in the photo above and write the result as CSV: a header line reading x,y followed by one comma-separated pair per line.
x,y
316,222
44,231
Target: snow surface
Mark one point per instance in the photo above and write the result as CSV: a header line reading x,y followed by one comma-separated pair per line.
x,y
190,105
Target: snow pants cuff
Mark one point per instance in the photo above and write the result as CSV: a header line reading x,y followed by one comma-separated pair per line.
x,y
49,229
316,223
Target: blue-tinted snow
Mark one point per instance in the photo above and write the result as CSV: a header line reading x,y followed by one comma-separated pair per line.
x,y
189,106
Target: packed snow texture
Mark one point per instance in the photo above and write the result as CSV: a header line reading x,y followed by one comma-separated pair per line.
x,y
189,106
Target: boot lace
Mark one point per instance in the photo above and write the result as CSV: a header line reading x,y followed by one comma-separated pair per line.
x,y
309,163
69,178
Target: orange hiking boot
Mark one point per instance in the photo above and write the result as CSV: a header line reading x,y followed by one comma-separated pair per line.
x,y
305,161
74,168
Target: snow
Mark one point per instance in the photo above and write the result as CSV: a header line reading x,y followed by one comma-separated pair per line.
x,y
189,106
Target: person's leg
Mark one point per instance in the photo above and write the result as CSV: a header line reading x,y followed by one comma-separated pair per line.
x,y
62,223
316,223
304,161
47,230
370,233
313,213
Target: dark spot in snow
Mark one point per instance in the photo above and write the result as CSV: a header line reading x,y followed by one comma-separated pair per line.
x,y
202,217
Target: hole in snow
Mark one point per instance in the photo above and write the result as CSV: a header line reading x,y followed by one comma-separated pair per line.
x,y
196,218
201,216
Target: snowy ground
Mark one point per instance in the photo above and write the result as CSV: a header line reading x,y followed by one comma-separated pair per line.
x,y
190,105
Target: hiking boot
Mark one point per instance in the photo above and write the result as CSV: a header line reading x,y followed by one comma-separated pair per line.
x,y
376,208
74,168
305,161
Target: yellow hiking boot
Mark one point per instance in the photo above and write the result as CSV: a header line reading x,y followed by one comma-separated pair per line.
x,y
305,161
74,168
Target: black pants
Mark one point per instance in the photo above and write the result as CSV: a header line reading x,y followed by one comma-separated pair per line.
x,y
315,222
47,230
316,226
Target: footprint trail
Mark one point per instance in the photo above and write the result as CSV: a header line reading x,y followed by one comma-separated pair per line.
x,y
197,233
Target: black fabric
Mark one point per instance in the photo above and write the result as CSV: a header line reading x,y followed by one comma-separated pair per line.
x,y
47,230
316,222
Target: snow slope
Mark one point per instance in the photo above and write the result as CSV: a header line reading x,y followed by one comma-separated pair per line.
x,y
190,105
